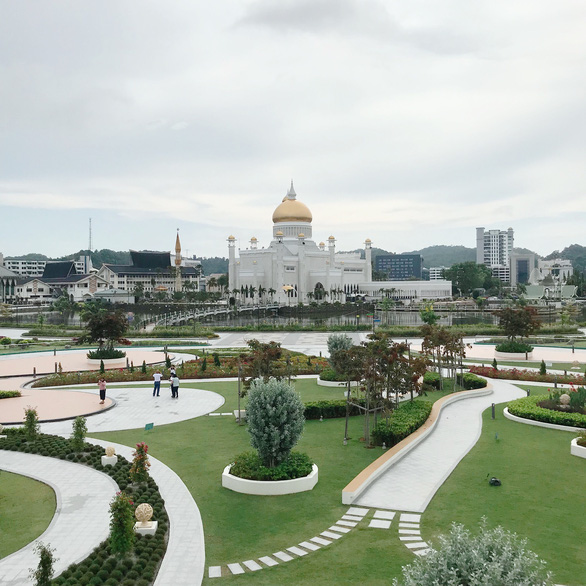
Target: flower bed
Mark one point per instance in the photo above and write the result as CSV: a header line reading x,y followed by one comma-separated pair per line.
x,y
228,367
528,408
527,375
140,566
576,449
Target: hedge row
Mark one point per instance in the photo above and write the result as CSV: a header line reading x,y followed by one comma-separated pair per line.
x,y
527,408
331,409
403,421
10,394
470,381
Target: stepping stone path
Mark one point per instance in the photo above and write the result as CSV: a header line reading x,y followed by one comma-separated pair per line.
x,y
353,516
409,534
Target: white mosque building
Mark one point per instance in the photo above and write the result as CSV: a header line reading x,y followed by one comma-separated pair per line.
x,y
294,269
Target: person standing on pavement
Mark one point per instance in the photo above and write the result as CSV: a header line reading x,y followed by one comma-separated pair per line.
x,y
175,387
157,388
102,387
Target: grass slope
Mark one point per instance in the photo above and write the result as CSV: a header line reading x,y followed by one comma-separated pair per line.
x,y
26,509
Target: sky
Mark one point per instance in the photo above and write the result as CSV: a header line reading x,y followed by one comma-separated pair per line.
x,y
409,123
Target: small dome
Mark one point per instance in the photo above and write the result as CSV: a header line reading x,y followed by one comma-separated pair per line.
x,y
231,238
254,239
301,235
322,243
331,238
291,210
368,240
279,233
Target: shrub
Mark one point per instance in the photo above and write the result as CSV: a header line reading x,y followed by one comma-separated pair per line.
x,y
121,524
31,423
494,364
44,572
275,420
330,409
105,354
582,439
10,394
139,472
204,363
513,347
102,367
432,379
495,556
249,466
470,381
143,368
217,359
78,433
403,421
329,374
528,408
542,369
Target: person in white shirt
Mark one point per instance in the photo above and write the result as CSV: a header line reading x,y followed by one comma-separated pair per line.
x,y
157,388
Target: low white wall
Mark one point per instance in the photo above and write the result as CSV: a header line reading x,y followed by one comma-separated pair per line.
x,y
331,383
540,423
269,487
349,497
577,450
513,356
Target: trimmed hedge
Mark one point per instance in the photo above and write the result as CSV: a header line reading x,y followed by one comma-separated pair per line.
x,y
527,408
403,421
105,354
514,346
329,374
248,465
330,409
432,379
470,381
10,394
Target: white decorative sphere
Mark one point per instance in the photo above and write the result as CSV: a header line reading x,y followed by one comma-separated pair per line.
x,y
143,513
110,451
565,399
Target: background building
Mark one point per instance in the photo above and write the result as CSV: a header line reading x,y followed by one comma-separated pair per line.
x,y
493,249
522,267
400,267
35,268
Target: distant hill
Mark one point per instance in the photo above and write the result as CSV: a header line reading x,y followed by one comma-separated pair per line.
x,y
99,257
215,264
445,256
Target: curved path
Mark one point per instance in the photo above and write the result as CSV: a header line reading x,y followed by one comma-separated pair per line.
x,y
81,520
411,483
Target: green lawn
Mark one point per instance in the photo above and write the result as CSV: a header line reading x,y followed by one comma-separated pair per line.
x,y
546,508
541,498
26,509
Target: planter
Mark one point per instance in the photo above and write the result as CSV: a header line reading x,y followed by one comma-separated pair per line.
x,y
108,362
335,384
513,356
577,450
269,487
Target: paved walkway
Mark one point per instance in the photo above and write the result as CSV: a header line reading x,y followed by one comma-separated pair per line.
x,y
183,564
412,482
81,521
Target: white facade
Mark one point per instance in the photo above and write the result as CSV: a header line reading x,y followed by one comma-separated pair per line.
x,y
493,249
436,273
293,268
35,268
77,287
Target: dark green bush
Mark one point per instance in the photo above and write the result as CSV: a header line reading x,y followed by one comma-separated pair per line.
x,y
9,394
330,409
248,465
329,374
105,354
514,346
432,379
403,421
470,381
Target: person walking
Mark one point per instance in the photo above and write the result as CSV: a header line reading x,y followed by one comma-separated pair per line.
x,y
157,388
175,387
102,387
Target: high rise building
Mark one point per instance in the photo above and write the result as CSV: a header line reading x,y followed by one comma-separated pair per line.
x,y
493,249
400,267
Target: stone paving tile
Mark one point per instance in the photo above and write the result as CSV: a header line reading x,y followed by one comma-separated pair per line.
x,y
215,572
409,531
409,525
309,545
284,557
330,534
358,511
81,521
236,568
380,524
422,552
384,515
351,518
410,538
417,545
320,540
252,565
410,518
347,523
268,561
339,529
297,551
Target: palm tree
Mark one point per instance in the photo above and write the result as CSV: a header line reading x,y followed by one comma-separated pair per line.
x,y
212,283
261,291
272,292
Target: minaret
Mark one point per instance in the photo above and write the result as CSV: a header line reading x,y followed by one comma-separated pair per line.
x,y
368,257
178,281
232,281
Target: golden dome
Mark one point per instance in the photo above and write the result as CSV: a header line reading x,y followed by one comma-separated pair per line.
x,y
279,233
291,210
368,240
231,237
322,243
301,235
254,239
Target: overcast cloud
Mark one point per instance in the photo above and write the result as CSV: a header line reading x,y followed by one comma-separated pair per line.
x,y
409,123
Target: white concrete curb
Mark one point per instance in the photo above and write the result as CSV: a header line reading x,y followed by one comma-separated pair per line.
x,y
269,487
540,423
